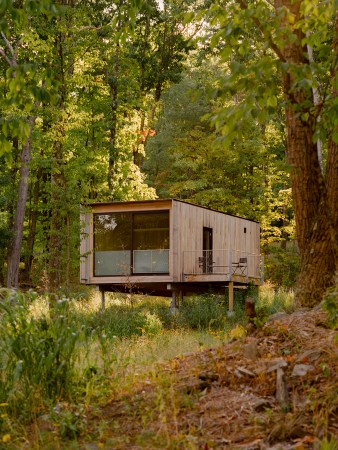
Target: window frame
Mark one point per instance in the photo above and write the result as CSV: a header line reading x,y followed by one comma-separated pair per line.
x,y
131,266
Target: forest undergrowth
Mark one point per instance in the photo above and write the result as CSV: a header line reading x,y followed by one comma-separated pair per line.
x,y
138,375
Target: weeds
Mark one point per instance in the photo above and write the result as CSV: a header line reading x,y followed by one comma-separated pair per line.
x,y
54,362
37,355
331,306
271,301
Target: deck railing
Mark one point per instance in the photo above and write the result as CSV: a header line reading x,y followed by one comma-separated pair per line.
x,y
222,262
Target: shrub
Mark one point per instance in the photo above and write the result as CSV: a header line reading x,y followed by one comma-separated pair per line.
x,y
117,321
202,312
331,306
37,355
281,266
271,301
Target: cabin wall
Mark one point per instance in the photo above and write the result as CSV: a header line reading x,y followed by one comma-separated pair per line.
x,y
246,243
230,242
233,237
190,222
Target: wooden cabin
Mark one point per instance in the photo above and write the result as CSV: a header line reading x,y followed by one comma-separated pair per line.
x,y
167,248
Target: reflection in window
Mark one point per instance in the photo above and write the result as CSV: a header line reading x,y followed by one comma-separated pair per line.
x,y
112,243
151,243
151,231
112,231
126,243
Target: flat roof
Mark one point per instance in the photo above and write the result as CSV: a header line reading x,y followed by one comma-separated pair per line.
x,y
166,200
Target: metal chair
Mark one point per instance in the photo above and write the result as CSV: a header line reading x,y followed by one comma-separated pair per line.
x,y
241,265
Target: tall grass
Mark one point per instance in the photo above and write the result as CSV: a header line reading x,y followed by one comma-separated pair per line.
x,y
75,352
37,354
271,300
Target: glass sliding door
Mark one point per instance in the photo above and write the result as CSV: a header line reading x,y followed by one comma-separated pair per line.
x,y
151,242
112,244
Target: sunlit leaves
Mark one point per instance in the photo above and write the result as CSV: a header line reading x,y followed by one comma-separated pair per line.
x,y
249,37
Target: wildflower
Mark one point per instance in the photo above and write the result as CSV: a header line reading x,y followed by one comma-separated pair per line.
x,y
6,438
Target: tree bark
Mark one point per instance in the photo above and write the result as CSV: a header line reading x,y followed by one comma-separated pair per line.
x,y
13,259
112,79
56,224
313,197
57,179
32,222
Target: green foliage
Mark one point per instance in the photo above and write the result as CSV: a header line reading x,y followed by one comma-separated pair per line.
x,y
187,159
271,301
37,355
61,66
71,419
331,306
329,444
206,312
281,265
117,321
249,38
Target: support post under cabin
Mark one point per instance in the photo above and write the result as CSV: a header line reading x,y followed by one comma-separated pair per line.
x,y
173,303
231,296
103,300
176,297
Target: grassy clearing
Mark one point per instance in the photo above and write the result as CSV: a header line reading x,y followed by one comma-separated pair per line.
x,y
79,356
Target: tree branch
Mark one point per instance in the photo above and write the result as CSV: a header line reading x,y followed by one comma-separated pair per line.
x,y
12,62
244,5
2,52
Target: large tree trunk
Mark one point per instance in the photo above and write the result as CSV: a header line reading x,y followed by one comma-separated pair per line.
x,y
313,197
112,79
14,252
32,223
57,178
57,222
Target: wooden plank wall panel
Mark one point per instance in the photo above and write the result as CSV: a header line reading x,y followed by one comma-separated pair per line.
x,y
175,246
139,206
192,221
186,234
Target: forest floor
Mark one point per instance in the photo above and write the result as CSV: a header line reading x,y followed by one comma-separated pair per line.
x,y
273,387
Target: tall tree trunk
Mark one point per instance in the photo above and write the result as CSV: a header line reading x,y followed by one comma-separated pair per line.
x,y
314,216
113,85
15,247
57,180
32,222
57,223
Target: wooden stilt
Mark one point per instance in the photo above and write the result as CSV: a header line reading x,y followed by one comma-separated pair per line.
x,y
231,296
173,300
103,300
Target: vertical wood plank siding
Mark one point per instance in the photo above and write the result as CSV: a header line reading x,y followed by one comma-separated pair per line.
x,y
186,235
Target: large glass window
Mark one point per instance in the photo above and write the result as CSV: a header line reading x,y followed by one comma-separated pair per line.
x,y
126,243
112,243
151,242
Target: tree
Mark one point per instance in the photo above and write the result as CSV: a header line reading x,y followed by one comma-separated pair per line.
x,y
24,87
284,29
187,159
69,147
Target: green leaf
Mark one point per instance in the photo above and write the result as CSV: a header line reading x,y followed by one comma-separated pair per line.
x,y
226,53
5,146
272,101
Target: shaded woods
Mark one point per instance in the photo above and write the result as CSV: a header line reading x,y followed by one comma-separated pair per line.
x,y
124,102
